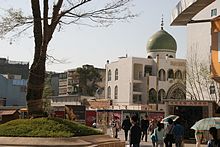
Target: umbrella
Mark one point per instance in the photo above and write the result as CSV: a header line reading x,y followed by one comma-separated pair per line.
x,y
173,117
207,123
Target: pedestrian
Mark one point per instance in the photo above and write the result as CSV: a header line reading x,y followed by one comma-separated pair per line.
x,y
178,133
126,125
169,137
199,137
214,142
144,127
135,132
159,134
115,126
152,126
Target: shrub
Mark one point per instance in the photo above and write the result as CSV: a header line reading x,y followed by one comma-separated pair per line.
x,y
45,127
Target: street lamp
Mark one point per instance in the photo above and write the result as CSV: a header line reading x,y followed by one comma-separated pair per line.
x,y
212,88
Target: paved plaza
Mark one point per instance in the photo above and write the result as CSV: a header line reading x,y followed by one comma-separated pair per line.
x,y
149,143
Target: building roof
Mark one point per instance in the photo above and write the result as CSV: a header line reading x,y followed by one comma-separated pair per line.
x,y
7,112
161,41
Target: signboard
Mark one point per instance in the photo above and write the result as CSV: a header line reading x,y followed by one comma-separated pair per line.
x,y
155,116
75,112
177,63
90,117
188,103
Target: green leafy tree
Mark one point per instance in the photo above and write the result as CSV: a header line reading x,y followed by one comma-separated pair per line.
x,y
88,78
47,16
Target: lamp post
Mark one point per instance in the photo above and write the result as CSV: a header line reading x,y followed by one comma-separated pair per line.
x,y
212,90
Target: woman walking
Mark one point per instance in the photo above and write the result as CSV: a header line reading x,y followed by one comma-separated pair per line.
x,y
159,133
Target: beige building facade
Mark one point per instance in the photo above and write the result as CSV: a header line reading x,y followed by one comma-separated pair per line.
x,y
144,81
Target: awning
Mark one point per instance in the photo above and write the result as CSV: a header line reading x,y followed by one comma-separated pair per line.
x,y
185,10
7,112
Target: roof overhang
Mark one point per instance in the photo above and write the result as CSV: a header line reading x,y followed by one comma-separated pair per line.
x,y
185,10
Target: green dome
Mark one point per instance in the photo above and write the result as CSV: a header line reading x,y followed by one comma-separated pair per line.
x,y
161,41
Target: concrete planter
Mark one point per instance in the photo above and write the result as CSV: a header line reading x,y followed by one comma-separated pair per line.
x,y
84,141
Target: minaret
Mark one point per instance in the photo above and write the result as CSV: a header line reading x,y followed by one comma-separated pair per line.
x,y
162,23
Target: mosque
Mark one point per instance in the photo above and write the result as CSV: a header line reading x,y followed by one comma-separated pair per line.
x,y
136,81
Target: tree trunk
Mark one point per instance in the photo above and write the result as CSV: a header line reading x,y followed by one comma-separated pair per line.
x,y
36,85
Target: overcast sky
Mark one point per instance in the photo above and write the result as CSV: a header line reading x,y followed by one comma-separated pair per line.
x,y
81,45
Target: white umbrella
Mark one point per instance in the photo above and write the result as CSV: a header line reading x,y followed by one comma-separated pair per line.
x,y
173,117
207,123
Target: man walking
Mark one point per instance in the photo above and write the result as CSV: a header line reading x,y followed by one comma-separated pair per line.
x,y
126,125
135,133
178,132
144,127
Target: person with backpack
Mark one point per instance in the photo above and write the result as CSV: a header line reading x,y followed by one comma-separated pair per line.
x,y
214,142
126,125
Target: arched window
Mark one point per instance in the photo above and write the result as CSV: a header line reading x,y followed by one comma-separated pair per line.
x,y
116,92
170,74
162,75
178,74
161,95
147,70
116,74
152,96
109,75
170,56
109,92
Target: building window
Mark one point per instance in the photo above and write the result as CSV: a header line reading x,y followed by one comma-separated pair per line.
x,y
116,74
214,12
109,75
162,75
161,95
147,70
170,74
152,96
178,74
109,92
116,92
170,56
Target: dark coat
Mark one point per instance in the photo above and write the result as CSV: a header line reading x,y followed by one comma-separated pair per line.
x,y
144,124
126,124
135,134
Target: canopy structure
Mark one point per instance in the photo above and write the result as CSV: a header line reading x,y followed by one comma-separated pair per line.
x,y
185,10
